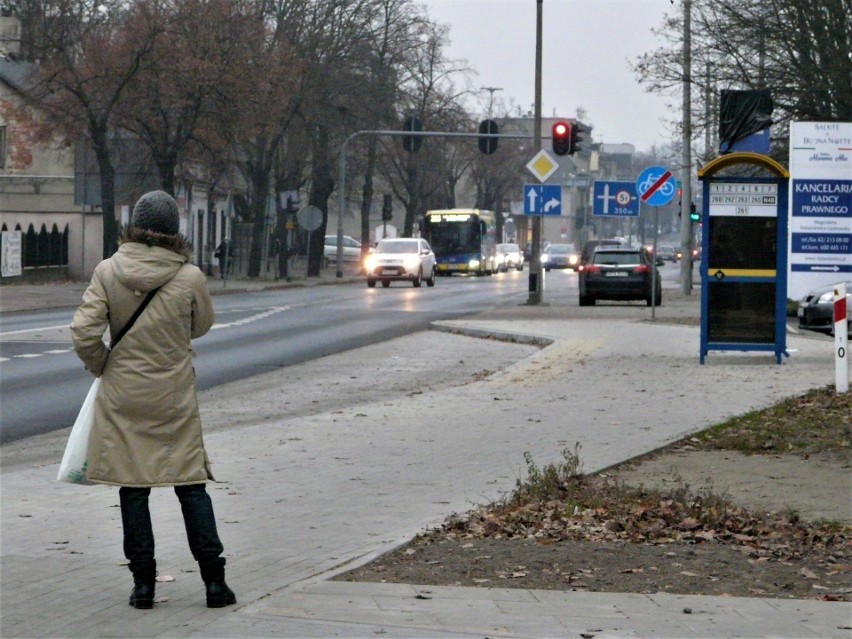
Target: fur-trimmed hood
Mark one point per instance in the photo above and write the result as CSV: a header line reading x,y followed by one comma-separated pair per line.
x,y
176,243
146,260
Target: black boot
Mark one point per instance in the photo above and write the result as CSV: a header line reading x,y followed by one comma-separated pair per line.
x,y
144,579
213,574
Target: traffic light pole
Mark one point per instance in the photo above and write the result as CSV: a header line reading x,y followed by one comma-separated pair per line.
x,y
536,282
341,164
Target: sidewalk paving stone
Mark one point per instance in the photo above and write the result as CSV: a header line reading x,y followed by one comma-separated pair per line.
x,y
301,499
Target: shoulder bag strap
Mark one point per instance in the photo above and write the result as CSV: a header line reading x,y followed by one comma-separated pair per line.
x,y
135,316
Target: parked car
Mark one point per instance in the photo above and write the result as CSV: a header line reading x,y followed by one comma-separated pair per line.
x,y
560,256
590,246
509,256
351,249
406,259
620,274
816,309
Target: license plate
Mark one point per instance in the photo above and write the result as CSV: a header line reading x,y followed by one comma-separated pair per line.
x,y
616,274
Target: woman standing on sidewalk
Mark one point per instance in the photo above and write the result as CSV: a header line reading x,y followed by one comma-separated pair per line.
x,y
147,429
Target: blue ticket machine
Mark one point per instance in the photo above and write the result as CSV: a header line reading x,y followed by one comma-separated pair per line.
x,y
744,255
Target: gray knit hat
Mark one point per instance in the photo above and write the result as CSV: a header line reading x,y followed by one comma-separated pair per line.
x,y
156,211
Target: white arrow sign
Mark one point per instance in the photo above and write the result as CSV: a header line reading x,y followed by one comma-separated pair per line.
x,y
551,204
532,196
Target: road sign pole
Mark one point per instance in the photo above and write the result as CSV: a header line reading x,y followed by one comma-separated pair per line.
x,y
841,340
654,266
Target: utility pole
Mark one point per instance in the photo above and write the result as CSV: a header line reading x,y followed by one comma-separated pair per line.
x,y
491,91
536,282
686,234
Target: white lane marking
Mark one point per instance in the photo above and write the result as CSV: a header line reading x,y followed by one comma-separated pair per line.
x,y
33,330
252,318
240,322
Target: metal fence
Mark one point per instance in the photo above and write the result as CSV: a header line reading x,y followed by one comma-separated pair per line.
x,y
43,248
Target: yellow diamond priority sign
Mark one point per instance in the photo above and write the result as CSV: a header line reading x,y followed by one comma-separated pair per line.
x,y
542,165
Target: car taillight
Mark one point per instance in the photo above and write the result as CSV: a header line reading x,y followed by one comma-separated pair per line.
x,y
642,268
590,268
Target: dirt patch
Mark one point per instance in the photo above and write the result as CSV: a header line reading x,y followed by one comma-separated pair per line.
x,y
816,486
693,518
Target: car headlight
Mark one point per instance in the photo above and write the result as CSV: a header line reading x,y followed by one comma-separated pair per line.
x,y
545,257
474,263
370,262
826,297
412,262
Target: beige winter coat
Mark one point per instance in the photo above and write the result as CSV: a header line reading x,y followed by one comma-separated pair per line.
x,y
147,430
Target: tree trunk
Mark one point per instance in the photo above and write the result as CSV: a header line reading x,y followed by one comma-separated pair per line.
x,y
260,193
322,186
100,145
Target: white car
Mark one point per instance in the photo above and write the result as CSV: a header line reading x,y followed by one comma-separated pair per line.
x,y
509,256
407,259
351,249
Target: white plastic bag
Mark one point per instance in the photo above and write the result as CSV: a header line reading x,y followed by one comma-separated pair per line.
x,y
73,466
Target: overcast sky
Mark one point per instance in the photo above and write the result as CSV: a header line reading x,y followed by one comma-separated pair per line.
x,y
587,47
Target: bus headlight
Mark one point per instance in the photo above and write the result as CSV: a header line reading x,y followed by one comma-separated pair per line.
x,y
473,264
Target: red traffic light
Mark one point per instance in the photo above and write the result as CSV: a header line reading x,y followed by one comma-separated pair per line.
x,y
561,138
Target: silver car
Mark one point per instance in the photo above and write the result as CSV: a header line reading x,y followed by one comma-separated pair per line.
x,y
351,249
407,259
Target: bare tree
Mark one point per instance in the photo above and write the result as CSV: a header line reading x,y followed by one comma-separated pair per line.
x,y
429,91
88,54
797,49
174,100
258,100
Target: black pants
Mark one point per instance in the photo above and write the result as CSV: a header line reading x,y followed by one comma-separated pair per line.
x,y
198,518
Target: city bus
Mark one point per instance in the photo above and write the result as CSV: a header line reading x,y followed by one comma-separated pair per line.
x,y
463,240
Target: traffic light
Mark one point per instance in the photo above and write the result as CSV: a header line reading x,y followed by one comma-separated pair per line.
x,y
694,215
487,144
387,208
561,138
575,140
412,143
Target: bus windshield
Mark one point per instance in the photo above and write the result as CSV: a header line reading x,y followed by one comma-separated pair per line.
x,y
455,236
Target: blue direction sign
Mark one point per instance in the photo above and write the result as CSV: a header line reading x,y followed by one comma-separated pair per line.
x,y
615,199
542,199
656,186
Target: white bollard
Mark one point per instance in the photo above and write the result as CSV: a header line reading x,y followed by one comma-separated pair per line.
x,y
841,350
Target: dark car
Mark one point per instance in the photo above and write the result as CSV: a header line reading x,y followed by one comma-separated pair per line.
x,y
816,308
667,253
592,245
620,274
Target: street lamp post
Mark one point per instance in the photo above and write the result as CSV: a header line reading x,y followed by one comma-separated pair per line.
x,y
536,282
491,91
